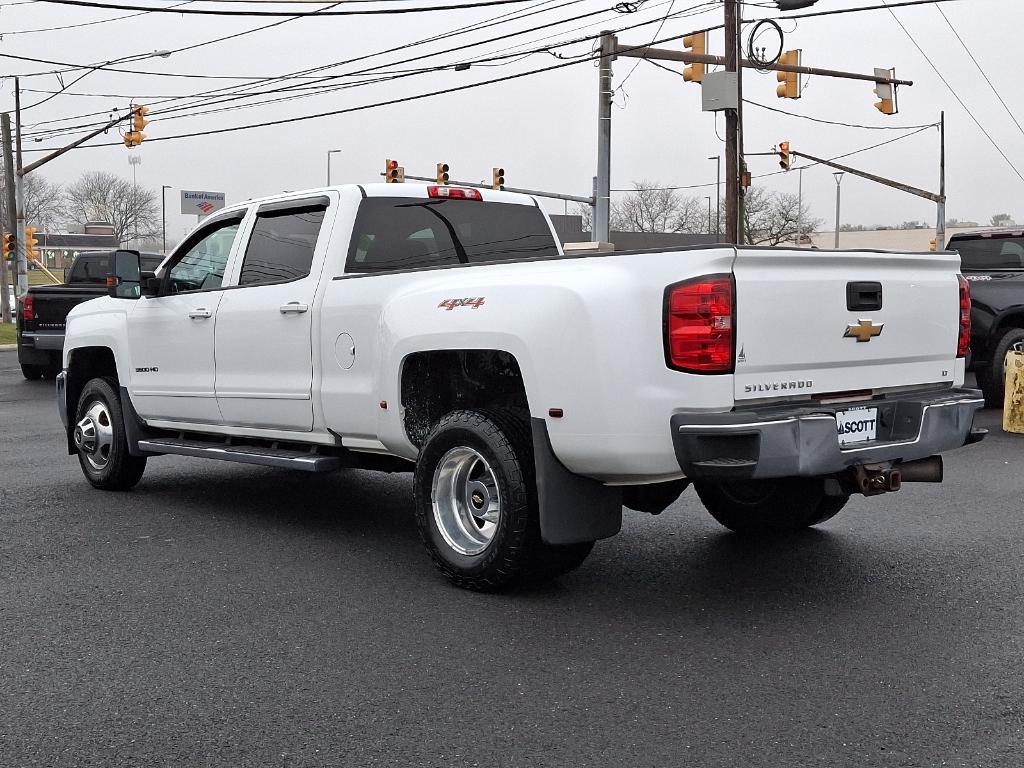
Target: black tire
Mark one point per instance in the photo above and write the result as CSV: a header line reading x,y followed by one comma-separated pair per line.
x,y
992,376
112,468
512,551
764,507
31,372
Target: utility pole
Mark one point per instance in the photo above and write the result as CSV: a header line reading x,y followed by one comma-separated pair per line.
x,y
12,222
733,128
21,267
940,227
718,194
602,207
839,180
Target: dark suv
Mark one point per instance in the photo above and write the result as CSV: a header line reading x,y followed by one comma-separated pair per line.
x,y
993,262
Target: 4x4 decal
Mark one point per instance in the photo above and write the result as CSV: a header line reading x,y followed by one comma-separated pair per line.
x,y
450,304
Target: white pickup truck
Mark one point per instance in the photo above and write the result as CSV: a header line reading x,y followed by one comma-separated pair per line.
x,y
442,330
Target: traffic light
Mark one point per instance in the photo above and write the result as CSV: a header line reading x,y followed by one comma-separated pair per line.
x,y
785,159
31,243
393,172
886,92
497,178
442,173
698,44
135,136
790,88
10,246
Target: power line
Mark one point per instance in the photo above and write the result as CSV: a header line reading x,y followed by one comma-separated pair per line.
x,y
838,122
983,73
591,56
778,173
229,97
956,95
225,12
80,24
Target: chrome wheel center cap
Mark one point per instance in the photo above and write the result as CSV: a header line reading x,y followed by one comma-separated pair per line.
x,y
85,435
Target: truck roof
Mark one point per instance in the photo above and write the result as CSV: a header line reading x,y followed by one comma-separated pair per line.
x,y
414,189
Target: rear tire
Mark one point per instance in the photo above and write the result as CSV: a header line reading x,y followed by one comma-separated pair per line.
x,y
31,372
992,376
765,507
476,504
99,436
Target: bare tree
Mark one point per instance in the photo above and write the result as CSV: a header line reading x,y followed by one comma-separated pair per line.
x,y
134,211
652,208
44,202
1003,220
586,212
772,218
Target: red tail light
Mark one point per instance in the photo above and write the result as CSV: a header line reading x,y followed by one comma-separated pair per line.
x,y
964,341
455,193
699,327
27,308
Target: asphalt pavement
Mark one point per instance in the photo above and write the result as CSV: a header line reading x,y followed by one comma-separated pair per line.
x,y
224,615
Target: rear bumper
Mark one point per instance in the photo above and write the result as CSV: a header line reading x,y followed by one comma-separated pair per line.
x,y
39,348
788,441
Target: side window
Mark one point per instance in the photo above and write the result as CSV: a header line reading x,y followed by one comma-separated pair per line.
x,y
282,245
201,268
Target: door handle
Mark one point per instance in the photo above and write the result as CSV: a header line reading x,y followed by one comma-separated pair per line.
x,y
294,307
200,313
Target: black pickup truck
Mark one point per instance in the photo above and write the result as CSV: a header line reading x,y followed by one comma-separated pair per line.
x,y
44,311
993,262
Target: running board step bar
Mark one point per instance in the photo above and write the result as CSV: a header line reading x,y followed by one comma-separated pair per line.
x,y
307,459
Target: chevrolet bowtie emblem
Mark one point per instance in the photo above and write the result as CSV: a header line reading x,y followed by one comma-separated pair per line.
x,y
865,330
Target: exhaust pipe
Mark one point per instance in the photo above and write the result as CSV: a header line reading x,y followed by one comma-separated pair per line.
x,y
922,471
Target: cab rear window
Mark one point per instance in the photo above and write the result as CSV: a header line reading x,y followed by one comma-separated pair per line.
x,y
401,233
989,253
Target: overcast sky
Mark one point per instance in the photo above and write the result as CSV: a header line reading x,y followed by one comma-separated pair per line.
x,y
541,128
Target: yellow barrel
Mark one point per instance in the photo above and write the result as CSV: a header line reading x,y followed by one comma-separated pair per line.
x,y
1013,406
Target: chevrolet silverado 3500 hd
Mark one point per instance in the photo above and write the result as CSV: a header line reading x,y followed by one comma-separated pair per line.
x,y
442,330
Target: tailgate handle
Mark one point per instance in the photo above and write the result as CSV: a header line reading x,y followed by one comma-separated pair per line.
x,y
863,297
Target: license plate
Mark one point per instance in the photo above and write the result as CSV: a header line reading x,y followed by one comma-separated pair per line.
x,y
857,426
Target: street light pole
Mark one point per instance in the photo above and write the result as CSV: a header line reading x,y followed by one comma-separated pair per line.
x,y
839,180
718,192
329,153
163,214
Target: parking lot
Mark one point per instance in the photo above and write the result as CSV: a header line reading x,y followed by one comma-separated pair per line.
x,y
231,615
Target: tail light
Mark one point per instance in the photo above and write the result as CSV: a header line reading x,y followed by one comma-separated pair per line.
x,y
28,308
964,340
699,327
455,193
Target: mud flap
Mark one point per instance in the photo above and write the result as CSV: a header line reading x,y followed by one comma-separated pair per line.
x,y
573,509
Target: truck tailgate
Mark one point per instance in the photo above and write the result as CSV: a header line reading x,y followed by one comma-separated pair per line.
x,y
52,304
810,322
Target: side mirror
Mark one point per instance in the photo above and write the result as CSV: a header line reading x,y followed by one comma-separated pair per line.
x,y
151,284
124,280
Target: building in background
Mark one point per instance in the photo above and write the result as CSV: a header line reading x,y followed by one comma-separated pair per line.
x,y
58,250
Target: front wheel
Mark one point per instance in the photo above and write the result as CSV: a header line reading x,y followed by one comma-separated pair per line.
x,y
760,507
476,504
99,436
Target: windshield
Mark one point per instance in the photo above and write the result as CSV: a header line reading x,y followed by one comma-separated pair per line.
x,y
990,253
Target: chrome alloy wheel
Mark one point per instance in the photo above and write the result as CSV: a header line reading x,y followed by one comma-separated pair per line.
x,y
94,435
466,502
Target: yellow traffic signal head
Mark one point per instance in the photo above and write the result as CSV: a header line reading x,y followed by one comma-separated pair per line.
x,y
497,178
31,242
790,88
139,120
442,173
886,92
10,246
698,44
785,158
133,138
393,172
